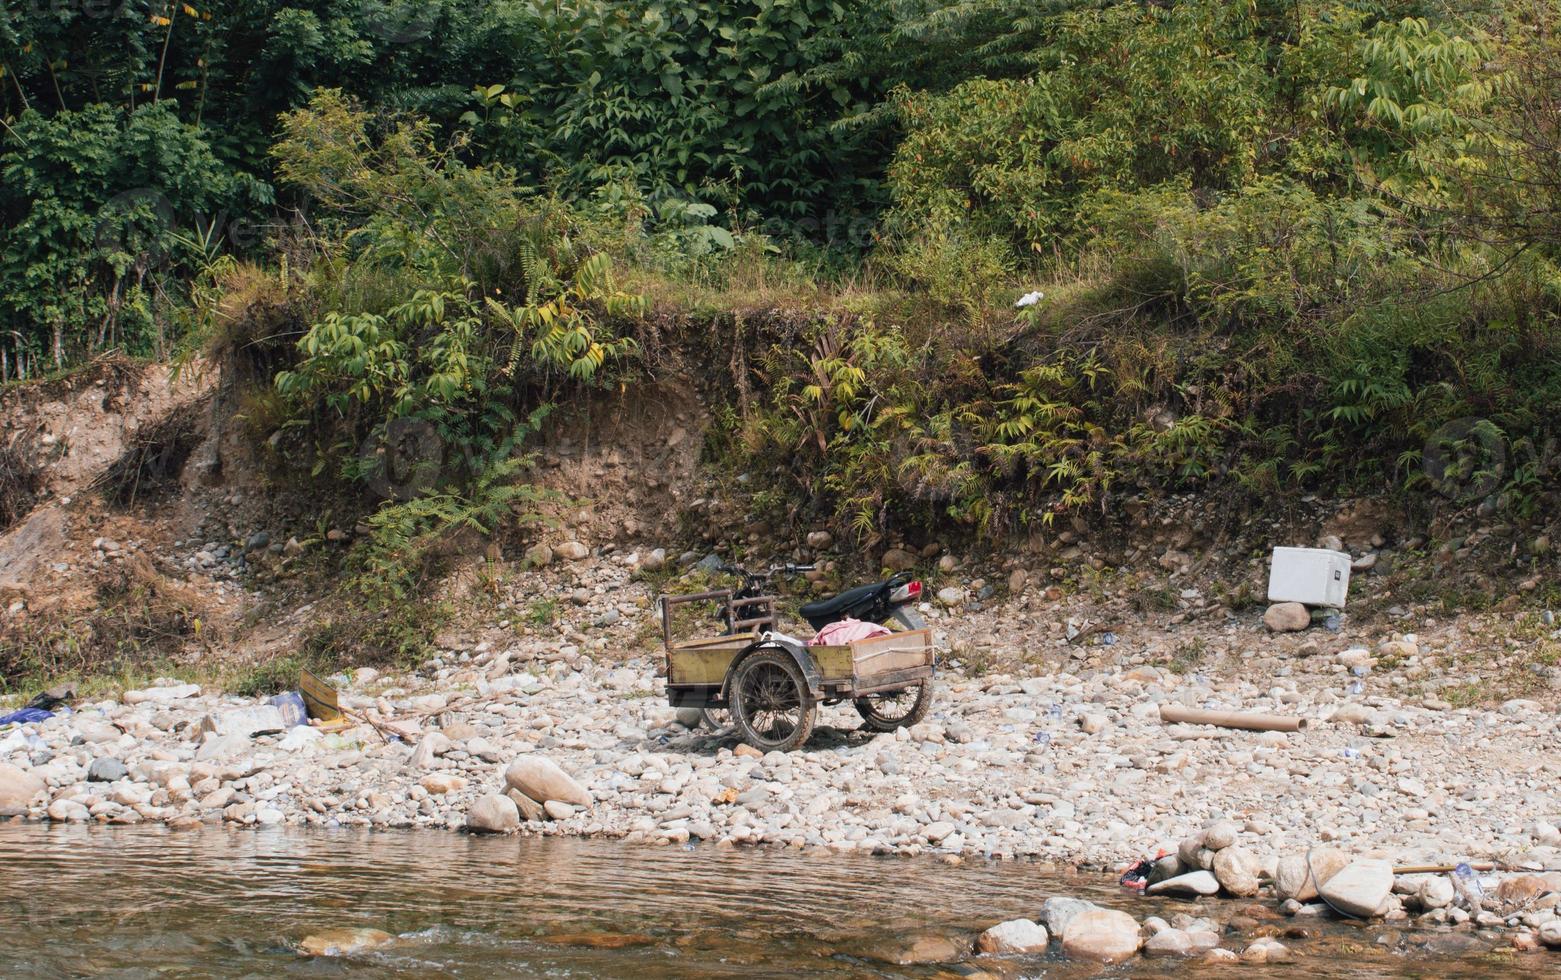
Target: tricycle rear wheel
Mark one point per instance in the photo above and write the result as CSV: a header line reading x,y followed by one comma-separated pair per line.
x,y
771,703
895,709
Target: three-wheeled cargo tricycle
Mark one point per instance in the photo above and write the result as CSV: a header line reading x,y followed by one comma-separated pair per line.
x,y
771,683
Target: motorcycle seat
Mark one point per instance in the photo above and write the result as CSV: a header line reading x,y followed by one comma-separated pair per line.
x,y
839,603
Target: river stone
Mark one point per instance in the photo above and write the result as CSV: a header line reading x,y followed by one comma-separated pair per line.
x,y
1057,913
69,811
529,809
1550,933
1297,875
440,783
343,942
1521,889
1187,850
1193,883
1104,935
18,788
1169,942
106,770
921,949
1434,893
558,810
162,695
543,781
1236,869
1221,834
571,551
1287,617
690,717
1265,950
1360,888
898,560
935,832
493,814
245,721
429,749
222,747
1013,936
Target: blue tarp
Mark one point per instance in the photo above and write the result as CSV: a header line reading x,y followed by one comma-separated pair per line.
x,y
26,716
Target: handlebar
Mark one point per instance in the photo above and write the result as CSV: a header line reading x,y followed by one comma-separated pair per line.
x,y
788,569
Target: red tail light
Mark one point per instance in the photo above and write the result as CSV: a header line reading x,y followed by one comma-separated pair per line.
x,y
909,592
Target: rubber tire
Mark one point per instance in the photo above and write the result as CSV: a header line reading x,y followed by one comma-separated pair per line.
x,y
709,721
878,723
808,709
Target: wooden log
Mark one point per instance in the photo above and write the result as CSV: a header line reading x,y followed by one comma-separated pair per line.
x,y
1232,719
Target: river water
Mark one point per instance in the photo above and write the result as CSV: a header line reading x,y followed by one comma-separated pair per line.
x,y
143,902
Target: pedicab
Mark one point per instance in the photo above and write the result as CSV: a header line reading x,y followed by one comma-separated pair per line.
x,y
772,683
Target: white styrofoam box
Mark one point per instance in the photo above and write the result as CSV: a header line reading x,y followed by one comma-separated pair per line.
x,y
1315,576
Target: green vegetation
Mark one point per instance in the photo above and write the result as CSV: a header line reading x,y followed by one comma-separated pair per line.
x,y
1262,247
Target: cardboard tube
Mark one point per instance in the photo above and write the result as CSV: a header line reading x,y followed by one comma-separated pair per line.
x,y
1232,719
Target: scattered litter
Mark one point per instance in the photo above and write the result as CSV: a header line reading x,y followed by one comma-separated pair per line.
x,y
291,705
1311,576
320,701
26,716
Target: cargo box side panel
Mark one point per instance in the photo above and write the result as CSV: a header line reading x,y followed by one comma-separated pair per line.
x,y
703,661
834,663
887,654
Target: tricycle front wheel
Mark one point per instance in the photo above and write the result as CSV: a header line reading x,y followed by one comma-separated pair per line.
x,y
770,702
895,709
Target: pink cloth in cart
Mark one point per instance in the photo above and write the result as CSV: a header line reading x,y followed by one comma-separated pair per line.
x,y
841,633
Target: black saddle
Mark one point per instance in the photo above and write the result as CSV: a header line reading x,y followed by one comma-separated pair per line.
x,y
830,608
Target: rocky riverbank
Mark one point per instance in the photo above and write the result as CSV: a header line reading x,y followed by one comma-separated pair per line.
x,y
1074,768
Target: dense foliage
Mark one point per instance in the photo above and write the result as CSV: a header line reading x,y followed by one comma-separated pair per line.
x,y
1280,245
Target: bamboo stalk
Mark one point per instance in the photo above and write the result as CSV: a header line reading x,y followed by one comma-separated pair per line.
x,y
1232,719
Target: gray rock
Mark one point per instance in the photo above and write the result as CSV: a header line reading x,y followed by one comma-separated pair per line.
x,y
69,811
1057,913
1221,834
1287,617
1360,888
18,789
543,781
1013,936
1550,933
493,814
571,551
1102,935
1297,876
898,560
429,748
1434,893
558,810
222,747
245,721
1193,883
819,540
106,770
539,556
528,808
1169,942
1237,871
